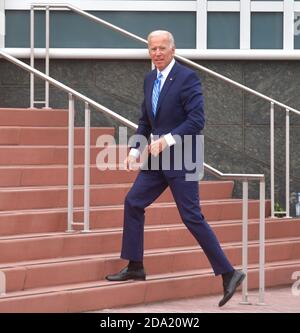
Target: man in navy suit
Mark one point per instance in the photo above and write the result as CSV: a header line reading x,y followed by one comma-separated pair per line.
x,y
173,115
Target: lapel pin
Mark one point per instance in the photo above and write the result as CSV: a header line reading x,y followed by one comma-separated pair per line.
x,y
171,78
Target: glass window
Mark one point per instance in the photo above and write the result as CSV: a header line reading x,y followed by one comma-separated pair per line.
x,y
297,30
71,30
266,31
223,30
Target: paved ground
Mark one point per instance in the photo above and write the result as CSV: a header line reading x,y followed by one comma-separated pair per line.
x,y
278,300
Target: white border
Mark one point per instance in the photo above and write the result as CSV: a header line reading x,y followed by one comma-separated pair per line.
x,y
245,25
63,53
109,5
201,7
297,6
223,6
267,6
2,23
201,24
288,25
140,5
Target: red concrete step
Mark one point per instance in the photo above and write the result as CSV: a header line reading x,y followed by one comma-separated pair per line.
x,y
106,194
58,175
97,295
33,117
161,213
33,247
43,273
57,155
10,135
51,220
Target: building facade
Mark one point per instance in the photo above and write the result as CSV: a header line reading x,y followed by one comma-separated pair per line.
x,y
256,43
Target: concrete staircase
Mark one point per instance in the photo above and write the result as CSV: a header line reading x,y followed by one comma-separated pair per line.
x,y
49,270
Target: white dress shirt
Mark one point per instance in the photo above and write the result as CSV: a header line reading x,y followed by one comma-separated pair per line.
x,y
168,137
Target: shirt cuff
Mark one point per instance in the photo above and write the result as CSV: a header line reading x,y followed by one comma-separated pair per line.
x,y
170,139
134,152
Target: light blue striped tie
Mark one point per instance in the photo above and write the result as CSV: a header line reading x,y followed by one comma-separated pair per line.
x,y
156,92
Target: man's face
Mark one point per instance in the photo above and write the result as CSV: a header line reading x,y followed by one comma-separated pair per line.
x,y
160,50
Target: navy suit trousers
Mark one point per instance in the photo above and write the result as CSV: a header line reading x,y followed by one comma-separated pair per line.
x,y
147,188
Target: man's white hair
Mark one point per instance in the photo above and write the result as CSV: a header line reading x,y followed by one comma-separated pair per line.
x,y
162,32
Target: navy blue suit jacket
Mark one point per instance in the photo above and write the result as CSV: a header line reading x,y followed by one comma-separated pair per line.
x,y
180,111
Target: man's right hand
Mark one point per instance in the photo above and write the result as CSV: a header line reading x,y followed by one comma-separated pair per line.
x,y
130,163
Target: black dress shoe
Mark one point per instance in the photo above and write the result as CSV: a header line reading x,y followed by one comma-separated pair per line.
x,y
231,285
125,274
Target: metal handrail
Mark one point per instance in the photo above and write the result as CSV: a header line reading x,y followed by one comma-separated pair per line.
x,y
233,176
88,102
272,101
68,89
243,177
115,115
183,59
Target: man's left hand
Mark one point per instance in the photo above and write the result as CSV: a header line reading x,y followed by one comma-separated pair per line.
x,y
157,146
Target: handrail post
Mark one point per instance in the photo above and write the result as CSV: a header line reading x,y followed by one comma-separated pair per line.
x,y
262,190
47,44
287,163
272,160
2,284
31,56
71,163
245,243
87,132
